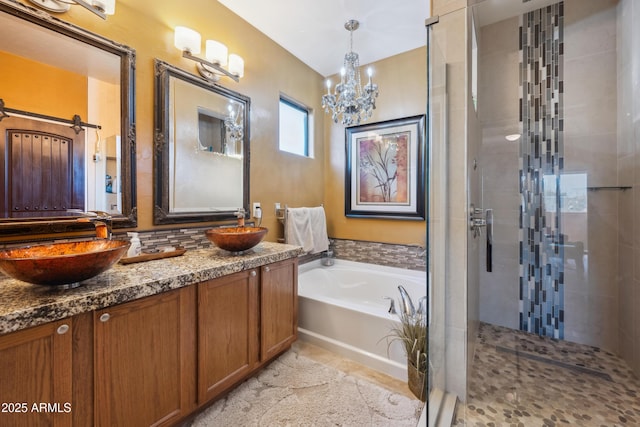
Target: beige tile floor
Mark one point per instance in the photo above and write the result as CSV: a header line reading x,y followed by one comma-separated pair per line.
x,y
523,380
309,386
349,367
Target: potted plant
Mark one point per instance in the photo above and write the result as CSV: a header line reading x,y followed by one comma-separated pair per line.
x,y
412,334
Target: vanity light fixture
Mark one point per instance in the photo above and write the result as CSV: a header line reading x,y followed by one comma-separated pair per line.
x,y
190,42
350,99
102,8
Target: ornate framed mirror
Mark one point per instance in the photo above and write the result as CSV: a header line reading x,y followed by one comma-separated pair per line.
x,y
201,149
103,161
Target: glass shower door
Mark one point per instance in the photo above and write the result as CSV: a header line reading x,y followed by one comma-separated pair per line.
x,y
437,120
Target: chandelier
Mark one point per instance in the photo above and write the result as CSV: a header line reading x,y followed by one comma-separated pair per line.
x,y
233,127
354,102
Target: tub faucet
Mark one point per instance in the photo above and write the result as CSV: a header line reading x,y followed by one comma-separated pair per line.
x,y
392,305
422,305
102,221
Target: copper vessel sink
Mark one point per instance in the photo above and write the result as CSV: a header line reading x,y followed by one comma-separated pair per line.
x,y
61,263
236,239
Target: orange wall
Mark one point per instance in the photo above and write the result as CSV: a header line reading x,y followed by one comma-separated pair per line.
x,y
35,87
403,92
269,71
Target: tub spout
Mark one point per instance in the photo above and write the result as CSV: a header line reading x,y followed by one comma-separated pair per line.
x,y
407,304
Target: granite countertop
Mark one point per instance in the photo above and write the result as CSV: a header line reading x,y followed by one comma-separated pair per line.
x,y
24,305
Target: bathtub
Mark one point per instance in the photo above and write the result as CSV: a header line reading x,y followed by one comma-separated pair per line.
x,y
342,308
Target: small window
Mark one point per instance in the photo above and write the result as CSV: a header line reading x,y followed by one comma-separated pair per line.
x,y
294,127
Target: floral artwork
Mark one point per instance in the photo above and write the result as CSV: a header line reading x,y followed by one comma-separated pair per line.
x,y
385,169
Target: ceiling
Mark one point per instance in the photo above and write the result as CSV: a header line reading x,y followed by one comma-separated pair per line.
x,y
491,11
311,30
314,32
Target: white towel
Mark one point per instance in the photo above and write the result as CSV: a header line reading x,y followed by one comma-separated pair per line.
x,y
298,231
307,227
319,229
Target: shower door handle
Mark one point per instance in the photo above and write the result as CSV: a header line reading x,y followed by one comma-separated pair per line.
x,y
489,254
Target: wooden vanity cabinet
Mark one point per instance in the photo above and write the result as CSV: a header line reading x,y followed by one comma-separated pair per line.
x,y
244,320
227,332
151,361
278,307
145,360
36,376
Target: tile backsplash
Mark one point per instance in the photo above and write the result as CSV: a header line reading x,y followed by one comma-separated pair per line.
x,y
411,257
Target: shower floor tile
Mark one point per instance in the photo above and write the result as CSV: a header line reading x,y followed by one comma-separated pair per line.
x,y
520,379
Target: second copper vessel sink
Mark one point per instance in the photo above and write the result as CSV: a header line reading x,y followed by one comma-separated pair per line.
x,y
236,239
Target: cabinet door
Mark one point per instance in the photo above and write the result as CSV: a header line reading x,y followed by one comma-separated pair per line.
x,y
145,360
35,376
278,307
227,332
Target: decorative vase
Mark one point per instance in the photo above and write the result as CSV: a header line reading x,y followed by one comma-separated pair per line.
x,y
417,382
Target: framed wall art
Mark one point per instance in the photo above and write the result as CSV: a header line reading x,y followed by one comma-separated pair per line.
x,y
385,169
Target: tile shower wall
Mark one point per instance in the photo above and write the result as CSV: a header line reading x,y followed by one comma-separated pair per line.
x,y
591,301
498,100
541,163
591,144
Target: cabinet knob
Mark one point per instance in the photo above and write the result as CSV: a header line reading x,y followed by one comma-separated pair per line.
x,y
253,273
267,269
62,329
104,317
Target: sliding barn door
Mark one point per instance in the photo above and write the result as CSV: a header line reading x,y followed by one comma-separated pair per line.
x,y
44,169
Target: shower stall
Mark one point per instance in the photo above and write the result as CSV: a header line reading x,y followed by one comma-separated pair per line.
x,y
542,149
553,169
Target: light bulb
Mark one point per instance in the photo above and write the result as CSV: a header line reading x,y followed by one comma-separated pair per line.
x,y
187,39
216,52
236,65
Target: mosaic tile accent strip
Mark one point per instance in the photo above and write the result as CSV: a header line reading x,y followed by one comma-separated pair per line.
x,y
521,388
188,238
411,257
541,163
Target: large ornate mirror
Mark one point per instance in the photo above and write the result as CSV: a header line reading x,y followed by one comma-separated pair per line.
x,y
202,148
52,71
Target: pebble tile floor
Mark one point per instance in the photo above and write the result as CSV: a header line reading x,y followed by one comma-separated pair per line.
x,y
519,379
